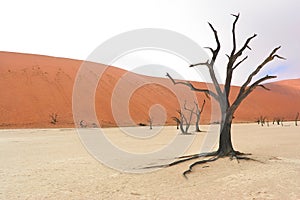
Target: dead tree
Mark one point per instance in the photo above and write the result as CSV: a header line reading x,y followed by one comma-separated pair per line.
x,y
179,123
150,122
221,93
83,124
263,121
198,115
258,121
183,121
296,119
277,120
53,118
281,121
94,125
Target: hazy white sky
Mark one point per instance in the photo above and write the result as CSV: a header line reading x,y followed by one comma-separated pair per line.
x,y
73,29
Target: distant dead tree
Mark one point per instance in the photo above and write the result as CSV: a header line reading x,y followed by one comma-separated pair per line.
x,y
177,122
53,118
83,124
150,120
94,125
258,121
296,119
277,120
281,121
184,122
198,114
263,120
221,93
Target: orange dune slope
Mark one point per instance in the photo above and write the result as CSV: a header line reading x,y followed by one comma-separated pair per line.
x,y
34,87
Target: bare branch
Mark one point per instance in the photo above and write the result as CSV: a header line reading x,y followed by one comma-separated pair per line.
x,y
244,93
176,120
186,108
202,106
236,65
191,86
280,57
211,49
264,87
210,64
236,15
197,106
257,83
246,45
216,51
233,33
188,123
267,60
245,90
201,63
232,59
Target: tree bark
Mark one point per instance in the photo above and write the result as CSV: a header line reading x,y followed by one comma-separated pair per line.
x,y
197,123
181,128
225,143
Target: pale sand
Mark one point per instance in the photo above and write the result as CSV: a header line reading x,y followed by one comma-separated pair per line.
x,y
53,164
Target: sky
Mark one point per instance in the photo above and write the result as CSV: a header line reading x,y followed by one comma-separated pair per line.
x,y
74,29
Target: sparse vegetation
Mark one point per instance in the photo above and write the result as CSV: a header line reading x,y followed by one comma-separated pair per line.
x,y
53,118
183,122
150,122
83,124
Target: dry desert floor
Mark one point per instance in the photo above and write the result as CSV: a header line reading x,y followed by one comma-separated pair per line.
x,y
54,164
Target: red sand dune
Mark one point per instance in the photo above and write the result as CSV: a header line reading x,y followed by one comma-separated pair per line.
x,y
33,87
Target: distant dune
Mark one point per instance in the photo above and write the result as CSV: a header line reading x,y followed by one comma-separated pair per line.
x,y
33,87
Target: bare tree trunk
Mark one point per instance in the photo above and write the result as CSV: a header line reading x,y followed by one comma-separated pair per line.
x,y
225,143
197,123
278,121
179,123
198,115
150,122
181,127
53,117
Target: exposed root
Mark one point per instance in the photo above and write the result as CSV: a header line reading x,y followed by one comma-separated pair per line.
x,y
244,158
242,154
198,163
215,156
175,162
199,155
184,159
234,155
